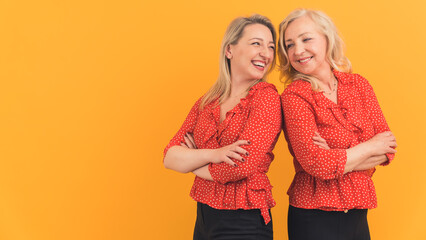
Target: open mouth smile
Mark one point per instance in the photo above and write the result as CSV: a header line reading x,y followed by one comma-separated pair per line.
x,y
259,65
304,60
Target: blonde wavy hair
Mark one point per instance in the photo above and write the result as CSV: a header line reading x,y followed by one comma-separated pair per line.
x,y
335,47
222,87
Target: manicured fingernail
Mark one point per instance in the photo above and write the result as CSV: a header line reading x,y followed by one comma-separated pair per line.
x,y
247,153
235,165
243,160
248,142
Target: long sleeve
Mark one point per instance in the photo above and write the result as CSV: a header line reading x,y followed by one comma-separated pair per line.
x,y
300,126
187,126
376,115
262,130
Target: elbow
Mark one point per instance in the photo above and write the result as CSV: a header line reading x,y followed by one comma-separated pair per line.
x,y
166,163
169,164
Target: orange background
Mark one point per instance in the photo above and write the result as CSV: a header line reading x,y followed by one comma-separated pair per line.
x,y
92,91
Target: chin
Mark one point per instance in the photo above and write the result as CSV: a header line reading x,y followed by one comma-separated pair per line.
x,y
305,71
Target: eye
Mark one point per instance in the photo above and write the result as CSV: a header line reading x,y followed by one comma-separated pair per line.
x,y
256,43
272,47
307,39
290,45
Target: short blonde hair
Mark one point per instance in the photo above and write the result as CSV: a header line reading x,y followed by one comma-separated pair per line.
x,y
222,87
335,46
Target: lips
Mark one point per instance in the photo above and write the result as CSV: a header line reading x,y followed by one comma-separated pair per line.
x,y
259,65
304,60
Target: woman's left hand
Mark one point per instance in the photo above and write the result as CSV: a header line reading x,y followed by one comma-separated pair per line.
x,y
319,141
189,141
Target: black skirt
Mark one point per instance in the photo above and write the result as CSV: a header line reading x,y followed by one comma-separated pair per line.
x,y
216,224
307,224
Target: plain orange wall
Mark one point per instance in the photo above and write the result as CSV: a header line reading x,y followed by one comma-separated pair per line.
x,y
92,91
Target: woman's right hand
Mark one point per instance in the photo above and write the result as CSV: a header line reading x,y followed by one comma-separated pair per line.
x,y
383,143
223,154
232,151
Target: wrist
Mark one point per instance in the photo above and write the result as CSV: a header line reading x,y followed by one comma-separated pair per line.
x,y
368,148
207,155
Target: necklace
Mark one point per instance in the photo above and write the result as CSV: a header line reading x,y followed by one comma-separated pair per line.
x,y
332,89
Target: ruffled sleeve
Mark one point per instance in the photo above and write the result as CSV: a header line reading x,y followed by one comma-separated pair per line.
x,y
187,127
376,115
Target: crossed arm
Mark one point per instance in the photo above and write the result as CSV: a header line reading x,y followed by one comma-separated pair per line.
x,y
314,155
240,159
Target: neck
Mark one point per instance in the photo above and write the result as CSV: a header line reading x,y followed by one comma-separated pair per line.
x,y
239,87
326,78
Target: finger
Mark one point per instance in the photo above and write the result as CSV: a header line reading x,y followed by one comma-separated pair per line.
x,y
235,156
325,146
391,150
322,145
319,136
316,142
319,139
242,142
241,151
191,138
230,162
188,142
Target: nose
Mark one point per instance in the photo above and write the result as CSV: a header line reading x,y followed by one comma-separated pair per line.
x,y
298,49
266,52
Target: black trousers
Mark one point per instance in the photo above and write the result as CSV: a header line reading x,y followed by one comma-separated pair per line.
x,y
215,224
316,224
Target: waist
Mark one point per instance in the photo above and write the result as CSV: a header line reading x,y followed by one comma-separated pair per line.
x,y
264,212
353,191
234,195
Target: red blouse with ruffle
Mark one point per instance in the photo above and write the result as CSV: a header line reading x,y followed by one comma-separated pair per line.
x,y
319,182
256,118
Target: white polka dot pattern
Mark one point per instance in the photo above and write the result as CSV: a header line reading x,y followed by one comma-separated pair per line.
x,y
319,182
256,118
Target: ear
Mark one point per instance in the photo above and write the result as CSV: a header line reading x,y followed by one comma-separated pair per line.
x,y
228,52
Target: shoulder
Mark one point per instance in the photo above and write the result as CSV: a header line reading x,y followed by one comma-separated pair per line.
x,y
300,89
264,93
263,90
197,105
351,78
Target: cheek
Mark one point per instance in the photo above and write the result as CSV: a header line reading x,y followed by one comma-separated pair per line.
x,y
290,55
321,48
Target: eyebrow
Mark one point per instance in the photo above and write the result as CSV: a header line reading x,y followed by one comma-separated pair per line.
x,y
260,39
289,40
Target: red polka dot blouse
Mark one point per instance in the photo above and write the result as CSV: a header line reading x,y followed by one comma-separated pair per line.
x,y
256,118
319,182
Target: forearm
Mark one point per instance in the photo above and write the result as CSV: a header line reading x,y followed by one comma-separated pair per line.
x,y
203,172
381,144
184,160
358,155
371,162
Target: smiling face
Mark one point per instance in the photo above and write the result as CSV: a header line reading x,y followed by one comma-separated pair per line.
x,y
306,47
252,56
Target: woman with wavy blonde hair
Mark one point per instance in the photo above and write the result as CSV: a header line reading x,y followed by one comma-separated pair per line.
x,y
227,138
335,130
